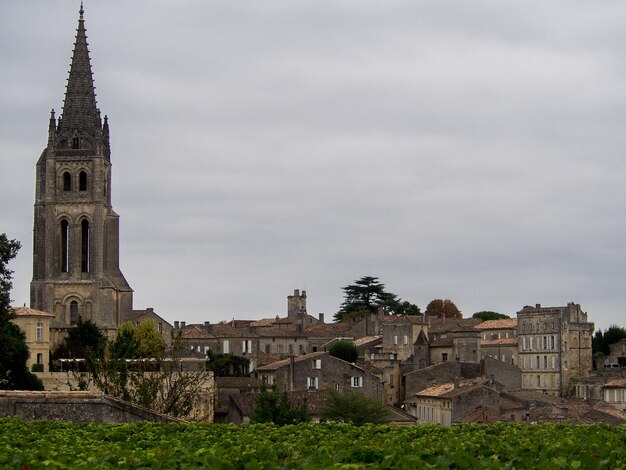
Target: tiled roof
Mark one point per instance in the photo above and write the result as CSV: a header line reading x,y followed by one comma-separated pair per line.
x,y
448,390
499,342
268,358
196,331
226,330
274,332
263,322
617,382
30,312
502,324
285,362
440,325
327,330
367,339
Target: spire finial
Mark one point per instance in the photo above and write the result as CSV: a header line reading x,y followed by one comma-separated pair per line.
x,y
81,11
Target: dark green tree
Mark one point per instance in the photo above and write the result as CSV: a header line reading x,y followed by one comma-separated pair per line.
x,y
488,315
275,407
227,365
344,349
352,407
443,308
366,296
13,349
83,341
602,341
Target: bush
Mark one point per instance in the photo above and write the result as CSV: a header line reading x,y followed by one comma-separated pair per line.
x,y
37,368
344,349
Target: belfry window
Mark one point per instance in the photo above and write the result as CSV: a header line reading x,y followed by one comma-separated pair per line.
x,y
82,181
67,181
75,142
73,312
65,245
84,246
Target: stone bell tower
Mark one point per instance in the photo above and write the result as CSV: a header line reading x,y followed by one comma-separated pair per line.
x,y
76,270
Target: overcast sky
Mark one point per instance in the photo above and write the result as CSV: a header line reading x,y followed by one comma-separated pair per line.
x,y
465,150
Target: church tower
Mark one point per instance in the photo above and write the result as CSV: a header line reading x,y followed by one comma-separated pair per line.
x,y
76,270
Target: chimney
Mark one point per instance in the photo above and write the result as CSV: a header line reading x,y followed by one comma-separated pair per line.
x,y
150,310
456,382
321,315
537,305
207,323
176,325
182,324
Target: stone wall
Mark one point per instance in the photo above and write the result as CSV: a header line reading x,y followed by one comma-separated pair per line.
x,y
508,375
82,407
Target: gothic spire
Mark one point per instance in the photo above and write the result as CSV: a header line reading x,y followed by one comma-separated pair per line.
x,y
80,126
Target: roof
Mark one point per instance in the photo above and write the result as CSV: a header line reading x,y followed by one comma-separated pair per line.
x,y
196,331
327,330
30,312
617,382
366,340
285,362
150,312
499,342
502,324
444,325
275,332
448,390
263,322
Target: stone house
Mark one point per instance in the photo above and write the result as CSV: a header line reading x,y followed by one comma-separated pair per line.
x,y
554,346
437,374
164,328
454,339
36,326
590,387
225,387
508,375
449,403
499,339
318,371
614,393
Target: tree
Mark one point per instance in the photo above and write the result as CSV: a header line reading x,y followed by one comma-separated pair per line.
x,y
344,349
443,309
366,296
600,343
136,342
488,315
83,341
13,349
352,407
228,365
275,407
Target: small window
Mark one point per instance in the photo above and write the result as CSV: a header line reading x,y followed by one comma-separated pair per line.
x,y
444,357
246,346
39,358
317,363
82,181
406,339
39,333
226,347
67,181
76,143
357,382
395,339
313,382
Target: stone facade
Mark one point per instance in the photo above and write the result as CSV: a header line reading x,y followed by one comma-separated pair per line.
x,y
76,270
317,371
554,346
82,407
36,326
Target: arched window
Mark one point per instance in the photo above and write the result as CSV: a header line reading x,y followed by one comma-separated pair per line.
x,y
39,358
76,143
65,245
67,181
84,246
82,181
73,312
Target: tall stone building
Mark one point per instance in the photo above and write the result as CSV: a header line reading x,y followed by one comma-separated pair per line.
x,y
554,346
76,270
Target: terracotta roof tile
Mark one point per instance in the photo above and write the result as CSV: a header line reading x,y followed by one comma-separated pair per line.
x,y
30,312
617,382
504,323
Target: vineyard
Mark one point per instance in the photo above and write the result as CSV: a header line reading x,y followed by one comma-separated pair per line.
x,y
149,445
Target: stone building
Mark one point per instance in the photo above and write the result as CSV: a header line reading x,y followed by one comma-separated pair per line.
x,y
499,339
554,346
318,371
36,326
76,271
